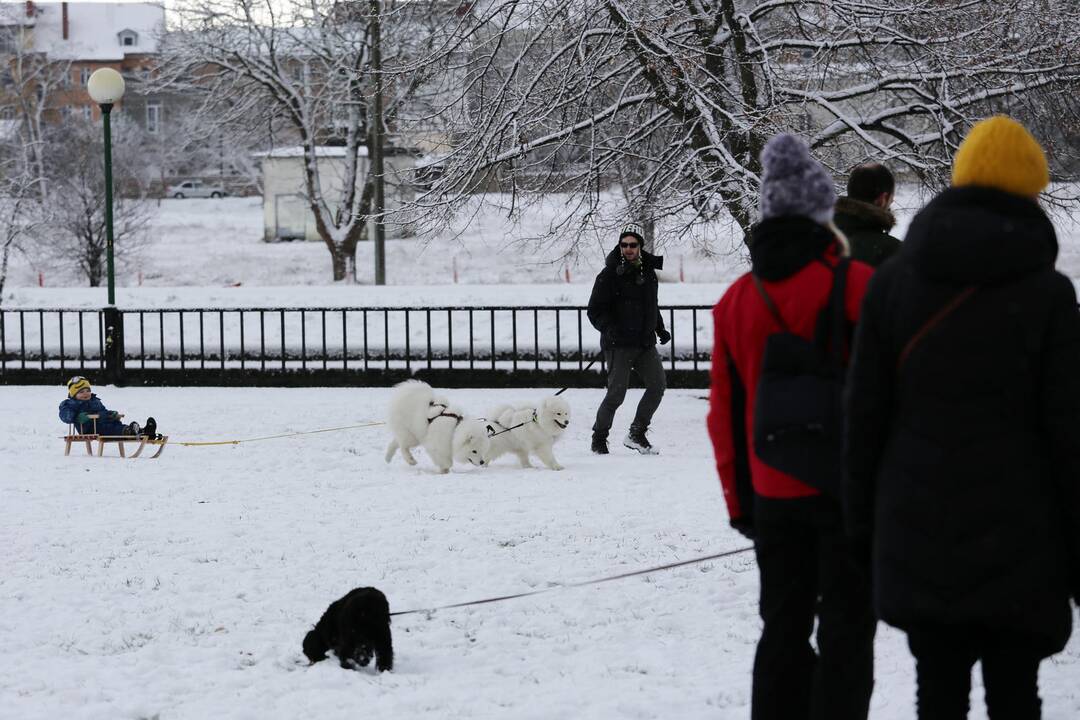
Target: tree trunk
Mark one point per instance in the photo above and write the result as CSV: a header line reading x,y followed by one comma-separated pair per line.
x,y
339,261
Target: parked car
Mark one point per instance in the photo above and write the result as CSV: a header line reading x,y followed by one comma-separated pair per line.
x,y
195,189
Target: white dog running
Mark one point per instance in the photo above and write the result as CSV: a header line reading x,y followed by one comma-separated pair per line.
x,y
539,428
417,417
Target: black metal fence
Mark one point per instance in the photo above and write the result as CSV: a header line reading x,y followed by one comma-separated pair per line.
x,y
450,346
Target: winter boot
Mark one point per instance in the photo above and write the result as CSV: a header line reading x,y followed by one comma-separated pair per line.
x,y
132,429
150,428
636,440
599,444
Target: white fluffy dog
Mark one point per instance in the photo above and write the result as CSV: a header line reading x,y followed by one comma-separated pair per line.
x,y
540,427
419,418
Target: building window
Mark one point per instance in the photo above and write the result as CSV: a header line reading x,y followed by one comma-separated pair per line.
x,y
128,38
65,113
153,117
87,113
84,76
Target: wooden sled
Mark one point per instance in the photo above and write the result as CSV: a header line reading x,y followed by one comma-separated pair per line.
x,y
119,440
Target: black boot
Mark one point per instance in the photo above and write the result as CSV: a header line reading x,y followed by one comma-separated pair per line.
x,y
636,440
150,428
599,444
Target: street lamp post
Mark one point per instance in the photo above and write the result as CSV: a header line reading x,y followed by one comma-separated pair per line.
x,y
106,87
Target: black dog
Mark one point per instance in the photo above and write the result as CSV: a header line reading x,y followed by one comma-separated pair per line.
x,y
355,627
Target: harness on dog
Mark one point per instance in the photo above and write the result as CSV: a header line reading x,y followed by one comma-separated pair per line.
x,y
444,413
491,434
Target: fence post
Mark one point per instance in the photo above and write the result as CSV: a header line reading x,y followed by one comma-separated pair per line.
x,y
114,346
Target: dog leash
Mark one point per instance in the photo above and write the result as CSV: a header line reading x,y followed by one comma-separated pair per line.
x,y
593,362
514,427
583,583
283,435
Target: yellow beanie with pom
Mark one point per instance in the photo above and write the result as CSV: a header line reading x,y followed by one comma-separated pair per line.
x,y
76,384
1000,153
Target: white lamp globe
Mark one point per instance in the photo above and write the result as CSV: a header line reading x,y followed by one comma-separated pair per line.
x,y
106,86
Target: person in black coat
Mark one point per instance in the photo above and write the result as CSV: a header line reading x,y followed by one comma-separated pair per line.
x,y
962,492
864,216
624,308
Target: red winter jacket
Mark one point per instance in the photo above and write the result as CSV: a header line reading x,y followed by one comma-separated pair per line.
x,y
789,254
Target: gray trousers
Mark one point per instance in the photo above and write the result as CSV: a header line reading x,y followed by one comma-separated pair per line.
x,y
620,361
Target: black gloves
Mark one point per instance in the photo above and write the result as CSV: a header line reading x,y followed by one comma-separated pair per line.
x,y
609,334
664,335
745,527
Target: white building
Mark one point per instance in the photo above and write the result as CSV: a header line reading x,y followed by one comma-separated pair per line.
x,y
286,212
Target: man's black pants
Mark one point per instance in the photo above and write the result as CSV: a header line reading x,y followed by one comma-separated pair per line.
x,y
620,361
943,660
807,570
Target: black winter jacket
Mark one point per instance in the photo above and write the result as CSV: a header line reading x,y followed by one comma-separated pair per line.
x,y
963,464
867,228
623,305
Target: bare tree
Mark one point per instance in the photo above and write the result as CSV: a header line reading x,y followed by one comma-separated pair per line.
x,y
678,97
30,84
76,203
301,68
21,213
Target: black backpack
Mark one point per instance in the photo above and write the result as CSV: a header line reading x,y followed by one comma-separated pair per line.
x,y
798,413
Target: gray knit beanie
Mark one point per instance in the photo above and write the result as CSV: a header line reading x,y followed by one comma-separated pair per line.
x,y
793,183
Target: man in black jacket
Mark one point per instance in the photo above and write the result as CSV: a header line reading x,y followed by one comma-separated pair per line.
x,y
623,307
962,493
864,215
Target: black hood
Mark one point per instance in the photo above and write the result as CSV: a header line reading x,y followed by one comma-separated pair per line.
x,y
782,246
614,259
976,236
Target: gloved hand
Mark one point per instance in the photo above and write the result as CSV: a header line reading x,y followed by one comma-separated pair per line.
x,y
745,527
82,418
112,415
609,334
664,335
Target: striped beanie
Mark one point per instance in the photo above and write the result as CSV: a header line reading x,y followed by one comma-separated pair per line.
x,y
76,384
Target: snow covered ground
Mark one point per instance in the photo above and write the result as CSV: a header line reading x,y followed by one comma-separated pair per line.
x,y
182,587
210,253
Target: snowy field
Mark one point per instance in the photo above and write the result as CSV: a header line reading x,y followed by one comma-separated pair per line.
x,y
182,587
210,253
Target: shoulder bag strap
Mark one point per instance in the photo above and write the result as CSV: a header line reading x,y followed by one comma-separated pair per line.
x,y
838,297
769,303
933,322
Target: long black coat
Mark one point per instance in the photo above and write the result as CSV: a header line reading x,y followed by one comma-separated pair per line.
x,y
964,462
623,305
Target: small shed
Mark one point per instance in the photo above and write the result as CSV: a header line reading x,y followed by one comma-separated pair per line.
x,y
286,211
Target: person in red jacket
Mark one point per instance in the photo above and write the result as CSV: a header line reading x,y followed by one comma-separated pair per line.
x,y
805,565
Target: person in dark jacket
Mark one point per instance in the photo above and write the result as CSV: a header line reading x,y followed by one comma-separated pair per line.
x,y
864,215
805,565
81,403
963,438
624,308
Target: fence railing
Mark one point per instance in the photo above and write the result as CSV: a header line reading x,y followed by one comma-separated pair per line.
x,y
373,345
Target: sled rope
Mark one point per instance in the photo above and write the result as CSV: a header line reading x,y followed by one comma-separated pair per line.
x,y
583,583
282,435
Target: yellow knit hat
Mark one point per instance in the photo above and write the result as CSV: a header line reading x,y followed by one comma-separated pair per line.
x,y
76,384
1000,153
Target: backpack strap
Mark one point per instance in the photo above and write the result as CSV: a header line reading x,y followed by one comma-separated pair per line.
x,y
934,320
769,303
837,298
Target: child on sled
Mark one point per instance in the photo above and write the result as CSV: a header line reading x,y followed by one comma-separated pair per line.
x,y
81,404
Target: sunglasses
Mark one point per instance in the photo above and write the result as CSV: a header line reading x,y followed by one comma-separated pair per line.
x,y
628,245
